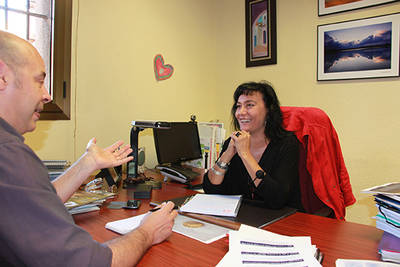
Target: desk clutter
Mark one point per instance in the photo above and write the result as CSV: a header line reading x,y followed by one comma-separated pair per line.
x,y
199,230
387,199
203,229
247,246
200,217
82,201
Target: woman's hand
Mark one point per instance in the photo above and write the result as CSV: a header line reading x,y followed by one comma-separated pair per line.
x,y
230,151
242,143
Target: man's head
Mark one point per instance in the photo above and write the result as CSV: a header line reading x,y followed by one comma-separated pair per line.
x,y
22,90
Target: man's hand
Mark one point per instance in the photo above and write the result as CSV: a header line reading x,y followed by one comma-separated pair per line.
x,y
93,159
112,156
158,225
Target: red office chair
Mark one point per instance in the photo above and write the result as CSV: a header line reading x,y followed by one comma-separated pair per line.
x,y
324,181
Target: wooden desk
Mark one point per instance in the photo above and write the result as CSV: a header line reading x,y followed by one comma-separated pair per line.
x,y
336,239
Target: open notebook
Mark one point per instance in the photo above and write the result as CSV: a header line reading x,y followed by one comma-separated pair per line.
x,y
210,204
251,212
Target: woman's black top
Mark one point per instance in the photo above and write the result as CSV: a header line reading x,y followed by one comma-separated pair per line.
x,y
280,187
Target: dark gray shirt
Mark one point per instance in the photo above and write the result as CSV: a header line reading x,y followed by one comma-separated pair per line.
x,y
35,228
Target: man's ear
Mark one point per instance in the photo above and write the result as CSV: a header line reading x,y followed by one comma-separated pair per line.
x,y
3,75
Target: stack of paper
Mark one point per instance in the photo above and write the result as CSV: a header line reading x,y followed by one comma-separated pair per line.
x,y
389,248
210,204
82,201
387,198
251,246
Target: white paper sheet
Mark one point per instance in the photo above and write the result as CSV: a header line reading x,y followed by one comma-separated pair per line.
x,y
205,233
251,246
220,205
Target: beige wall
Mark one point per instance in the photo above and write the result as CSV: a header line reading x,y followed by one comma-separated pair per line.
x,y
205,42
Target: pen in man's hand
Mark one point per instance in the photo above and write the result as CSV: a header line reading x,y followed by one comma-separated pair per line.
x,y
155,209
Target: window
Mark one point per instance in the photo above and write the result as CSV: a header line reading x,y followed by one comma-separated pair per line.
x,y
47,25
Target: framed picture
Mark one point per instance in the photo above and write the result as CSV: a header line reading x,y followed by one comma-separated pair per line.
x,y
260,32
334,6
365,48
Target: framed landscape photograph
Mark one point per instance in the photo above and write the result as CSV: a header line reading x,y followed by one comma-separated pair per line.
x,y
260,32
334,6
365,48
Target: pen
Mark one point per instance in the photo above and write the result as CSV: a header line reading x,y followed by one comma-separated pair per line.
x,y
155,209
154,203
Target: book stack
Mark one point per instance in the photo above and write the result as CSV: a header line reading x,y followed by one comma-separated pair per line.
x,y
387,199
82,201
56,167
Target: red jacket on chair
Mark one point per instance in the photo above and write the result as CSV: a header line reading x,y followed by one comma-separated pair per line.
x,y
324,159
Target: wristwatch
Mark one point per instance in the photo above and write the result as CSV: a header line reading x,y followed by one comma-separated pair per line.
x,y
222,165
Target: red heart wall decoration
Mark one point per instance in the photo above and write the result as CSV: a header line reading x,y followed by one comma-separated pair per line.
x,y
161,70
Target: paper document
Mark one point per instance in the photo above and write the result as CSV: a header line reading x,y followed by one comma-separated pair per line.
x,y
199,230
124,226
83,209
219,205
389,189
251,246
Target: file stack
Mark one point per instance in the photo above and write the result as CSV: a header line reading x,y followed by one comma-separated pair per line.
x,y
56,167
387,199
82,201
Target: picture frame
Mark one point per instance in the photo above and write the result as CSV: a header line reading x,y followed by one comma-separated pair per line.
x,y
326,7
260,32
358,49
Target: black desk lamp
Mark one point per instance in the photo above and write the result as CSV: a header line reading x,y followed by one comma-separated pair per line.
x,y
137,126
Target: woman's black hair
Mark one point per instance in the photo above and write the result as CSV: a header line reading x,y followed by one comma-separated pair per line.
x,y
273,127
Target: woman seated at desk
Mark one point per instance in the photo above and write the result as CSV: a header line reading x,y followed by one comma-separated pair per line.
x,y
260,159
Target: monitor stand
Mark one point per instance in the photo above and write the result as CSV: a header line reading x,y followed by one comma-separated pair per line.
x,y
130,182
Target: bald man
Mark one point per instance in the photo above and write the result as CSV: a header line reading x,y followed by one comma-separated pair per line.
x,y
36,229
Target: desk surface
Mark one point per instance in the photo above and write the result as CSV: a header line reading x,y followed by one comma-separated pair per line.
x,y
336,239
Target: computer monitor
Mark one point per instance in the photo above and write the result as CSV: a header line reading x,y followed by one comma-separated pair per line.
x,y
179,143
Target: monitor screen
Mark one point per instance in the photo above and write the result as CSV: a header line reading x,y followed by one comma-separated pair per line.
x,y
179,143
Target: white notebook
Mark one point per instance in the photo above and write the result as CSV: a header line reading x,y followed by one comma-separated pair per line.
x,y
211,204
